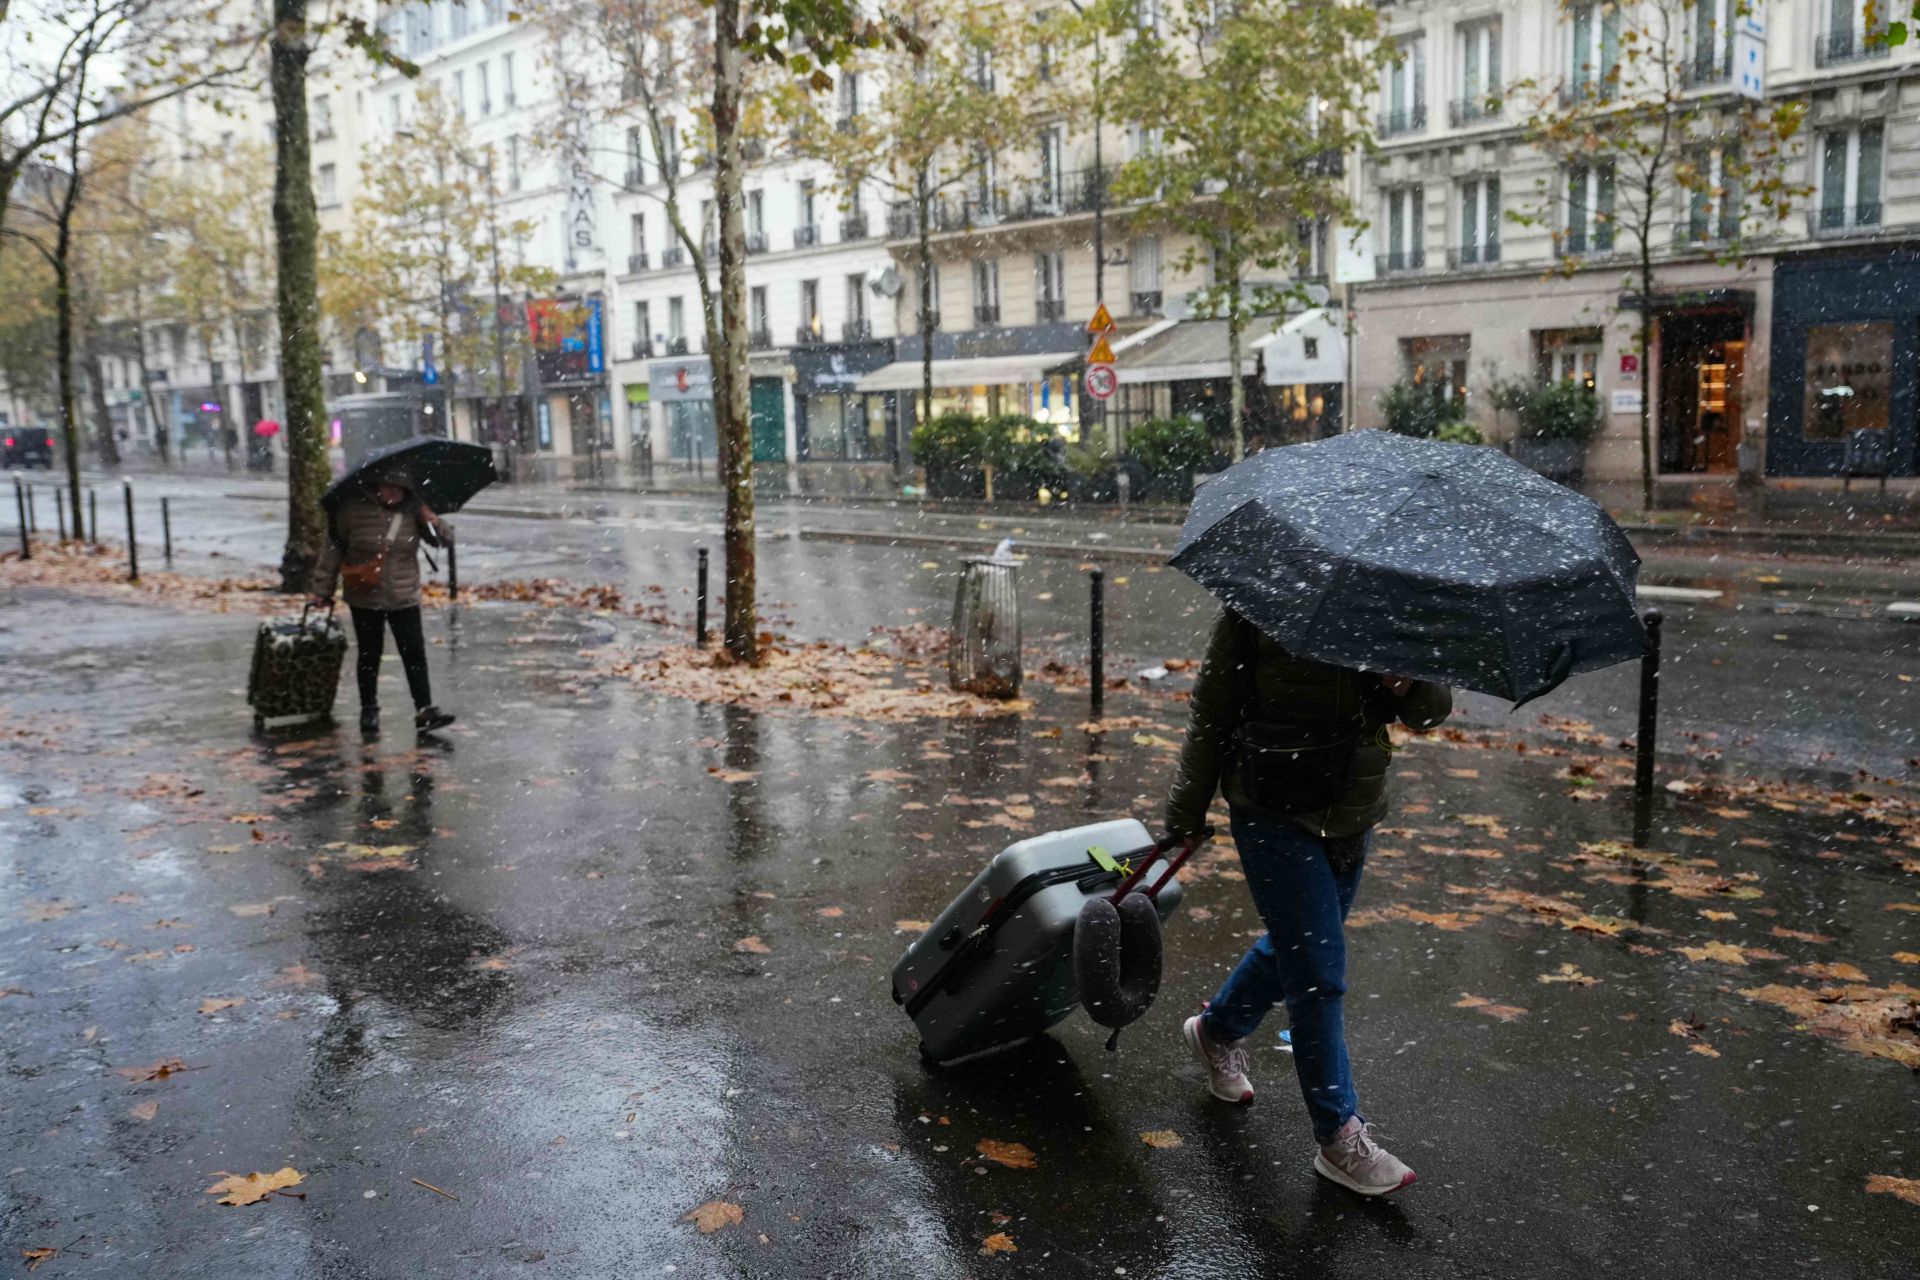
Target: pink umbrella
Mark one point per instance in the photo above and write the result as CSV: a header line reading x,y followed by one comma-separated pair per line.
x,y
266,427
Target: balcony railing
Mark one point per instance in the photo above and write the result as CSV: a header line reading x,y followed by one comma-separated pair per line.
x,y
636,263
808,335
1704,229
1145,302
509,100
1475,255
1066,194
1584,244
1401,262
636,178
756,242
642,349
760,339
844,124
987,313
1707,67
676,346
854,227
710,247
1588,89
1838,47
1049,310
806,235
1844,219
1406,120
674,255
856,330
1475,110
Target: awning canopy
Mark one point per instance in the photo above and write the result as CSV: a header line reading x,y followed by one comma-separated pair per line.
x,y
1183,350
978,371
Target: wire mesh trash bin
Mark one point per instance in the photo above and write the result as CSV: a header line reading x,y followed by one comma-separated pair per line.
x,y
984,656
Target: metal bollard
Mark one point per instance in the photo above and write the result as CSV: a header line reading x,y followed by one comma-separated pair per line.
x,y
700,602
1643,743
453,570
33,516
93,518
133,547
60,511
166,530
1097,640
20,501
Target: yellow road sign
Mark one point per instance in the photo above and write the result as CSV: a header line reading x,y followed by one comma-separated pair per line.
x,y
1102,320
1101,353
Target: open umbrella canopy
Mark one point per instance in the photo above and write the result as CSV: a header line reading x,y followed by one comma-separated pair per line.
x,y
1443,562
444,474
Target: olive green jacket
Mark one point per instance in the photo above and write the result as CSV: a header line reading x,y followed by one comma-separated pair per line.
x,y
359,529
1279,688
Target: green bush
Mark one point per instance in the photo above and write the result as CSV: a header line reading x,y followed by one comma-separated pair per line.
x,y
1459,433
1560,410
1016,442
1412,410
1170,446
951,442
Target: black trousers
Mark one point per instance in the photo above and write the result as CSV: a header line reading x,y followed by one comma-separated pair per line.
x,y
369,637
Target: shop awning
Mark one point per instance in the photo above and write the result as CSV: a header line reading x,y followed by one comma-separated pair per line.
x,y
1183,351
978,371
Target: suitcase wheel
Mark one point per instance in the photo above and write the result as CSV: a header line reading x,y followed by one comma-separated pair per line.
x,y
927,1060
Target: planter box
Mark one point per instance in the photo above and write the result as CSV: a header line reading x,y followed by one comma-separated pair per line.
x,y
1562,461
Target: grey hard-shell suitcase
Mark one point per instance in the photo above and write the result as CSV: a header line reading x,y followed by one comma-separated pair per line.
x,y
996,967
296,669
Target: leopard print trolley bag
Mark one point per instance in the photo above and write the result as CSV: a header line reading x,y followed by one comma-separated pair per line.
x,y
296,669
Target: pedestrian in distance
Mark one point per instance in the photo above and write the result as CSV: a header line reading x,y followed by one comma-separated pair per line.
x,y
1301,750
373,551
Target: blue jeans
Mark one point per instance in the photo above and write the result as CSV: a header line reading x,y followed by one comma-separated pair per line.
x,y
1301,962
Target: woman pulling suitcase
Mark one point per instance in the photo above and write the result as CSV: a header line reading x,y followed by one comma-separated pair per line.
x,y
373,551
1301,750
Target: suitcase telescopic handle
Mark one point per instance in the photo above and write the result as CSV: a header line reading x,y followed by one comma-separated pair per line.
x,y
307,608
1152,854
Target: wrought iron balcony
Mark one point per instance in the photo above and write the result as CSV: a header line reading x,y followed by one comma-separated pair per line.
x,y
1406,120
642,349
756,242
1401,262
760,339
1475,255
1477,109
1581,243
1836,48
674,255
854,227
808,335
1843,219
1145,302
636,263
987,313
856,330
676,346
1588,88
806,235
1049,310
1707,67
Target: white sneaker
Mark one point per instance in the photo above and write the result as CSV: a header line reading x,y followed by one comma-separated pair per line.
x,y
1226,1064
1358,1163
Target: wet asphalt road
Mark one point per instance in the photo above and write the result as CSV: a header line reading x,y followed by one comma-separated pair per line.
x,y
1795,666
513,964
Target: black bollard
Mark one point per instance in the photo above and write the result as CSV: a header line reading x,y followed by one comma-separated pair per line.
x,y
700,602
453,571
33,516
133,547
93,518
20,500
60,511
1643,744
166,530
1097,640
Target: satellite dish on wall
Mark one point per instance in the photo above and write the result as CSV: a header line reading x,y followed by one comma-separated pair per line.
x,y
1318,294
886,282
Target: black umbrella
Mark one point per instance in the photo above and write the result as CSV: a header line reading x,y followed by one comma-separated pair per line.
x,y
1443,562
444,474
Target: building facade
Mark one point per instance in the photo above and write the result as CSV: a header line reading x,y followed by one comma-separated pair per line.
x,y
1772,340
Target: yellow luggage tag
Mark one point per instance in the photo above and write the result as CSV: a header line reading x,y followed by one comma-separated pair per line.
x,y
1106,861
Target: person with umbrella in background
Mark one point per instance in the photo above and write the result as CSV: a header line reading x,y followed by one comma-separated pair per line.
x,y
1362,576
379,515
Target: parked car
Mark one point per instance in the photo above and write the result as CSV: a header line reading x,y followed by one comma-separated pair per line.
x,y
28,447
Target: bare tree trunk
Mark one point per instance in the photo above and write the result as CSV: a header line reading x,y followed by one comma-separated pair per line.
x,y
296,232
731,410
1644,342
102,416
63,322
1237,387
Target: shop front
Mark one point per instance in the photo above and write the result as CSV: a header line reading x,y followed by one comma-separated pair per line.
x,y
1032,370
1846,360
834,420
682,391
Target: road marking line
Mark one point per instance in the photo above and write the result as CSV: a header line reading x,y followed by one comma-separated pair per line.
x,y
1904,610
1680,593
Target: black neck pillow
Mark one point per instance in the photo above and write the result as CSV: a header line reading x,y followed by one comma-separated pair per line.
x,y
1116,958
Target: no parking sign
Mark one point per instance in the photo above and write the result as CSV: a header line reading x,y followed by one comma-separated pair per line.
x,y
1101,381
